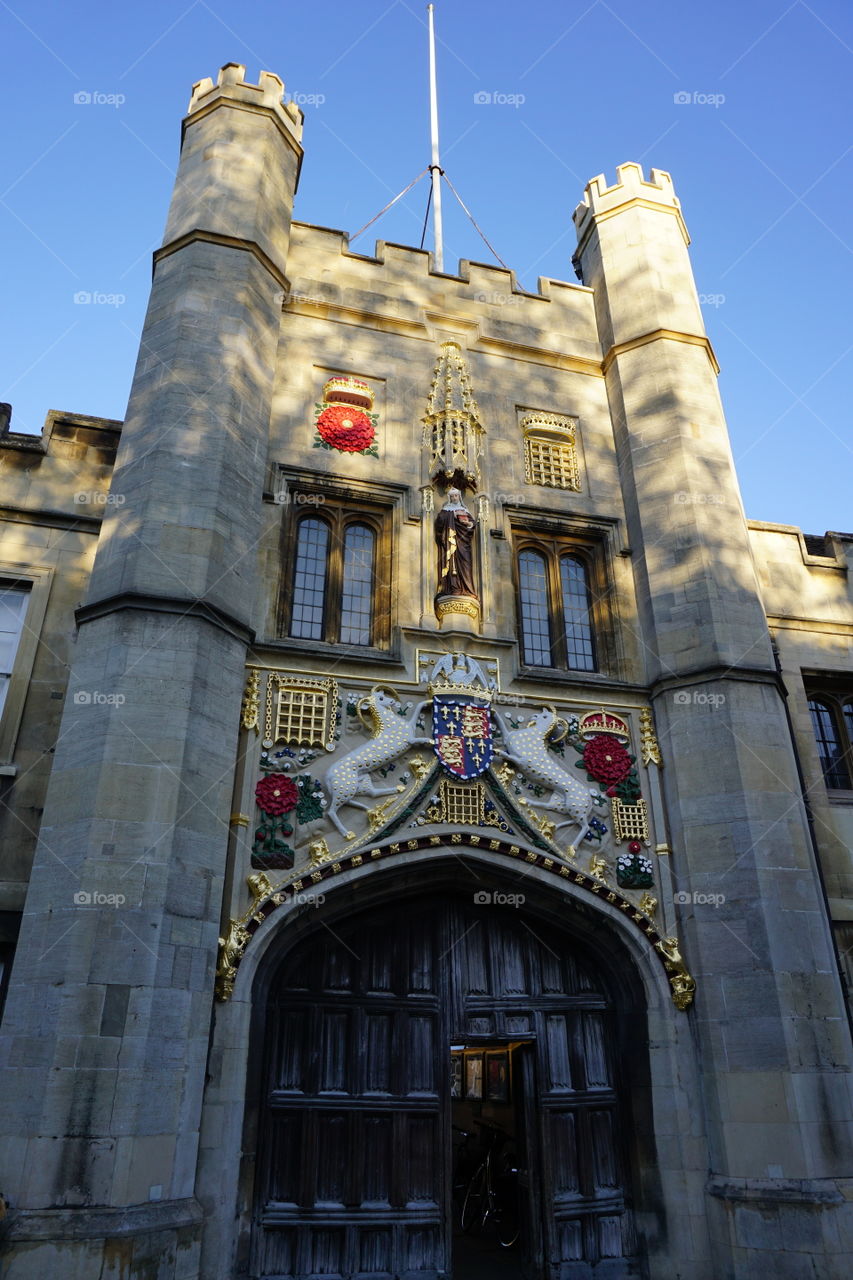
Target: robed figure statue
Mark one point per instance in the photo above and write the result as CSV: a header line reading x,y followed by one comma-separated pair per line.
x,y
454,532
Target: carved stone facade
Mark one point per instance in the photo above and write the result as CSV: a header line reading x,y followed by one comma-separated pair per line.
x,y
262,714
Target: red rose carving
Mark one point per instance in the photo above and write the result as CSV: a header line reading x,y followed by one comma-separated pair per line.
x,y
346,428
606,760
276,794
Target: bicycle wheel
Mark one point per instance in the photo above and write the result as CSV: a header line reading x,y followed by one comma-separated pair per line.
x,y
476,1204
508,1227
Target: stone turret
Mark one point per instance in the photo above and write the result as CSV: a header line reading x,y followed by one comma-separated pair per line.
x,y
118,943
771,1014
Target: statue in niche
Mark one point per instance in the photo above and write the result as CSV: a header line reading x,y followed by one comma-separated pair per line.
x,y
455,528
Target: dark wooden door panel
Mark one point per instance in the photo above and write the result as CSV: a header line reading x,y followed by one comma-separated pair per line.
x,y
354,1160
352,1171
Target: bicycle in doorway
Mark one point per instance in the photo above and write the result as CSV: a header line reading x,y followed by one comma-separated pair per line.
x,y
491,1197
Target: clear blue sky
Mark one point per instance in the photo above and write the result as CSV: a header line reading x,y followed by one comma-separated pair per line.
x,y
765,176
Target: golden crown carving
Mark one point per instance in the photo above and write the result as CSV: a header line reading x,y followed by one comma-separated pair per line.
x,y
603,722
348,391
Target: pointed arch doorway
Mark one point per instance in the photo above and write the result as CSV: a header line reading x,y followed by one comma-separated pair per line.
x,y
358,1132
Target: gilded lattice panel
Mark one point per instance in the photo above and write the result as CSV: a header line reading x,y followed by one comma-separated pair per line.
x,y
550,454
630,821
300,712
462,804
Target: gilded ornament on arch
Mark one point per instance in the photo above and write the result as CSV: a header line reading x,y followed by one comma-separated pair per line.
x,y
683,990
419,767
231,949
378,816
545,825
318,851
505,773
668,947
237,937
260,887
648,904
598,867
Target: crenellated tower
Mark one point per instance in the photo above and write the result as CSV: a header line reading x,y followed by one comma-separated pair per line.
x,y
102,1112
763,959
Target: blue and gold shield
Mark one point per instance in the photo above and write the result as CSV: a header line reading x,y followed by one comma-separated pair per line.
x,y
462,735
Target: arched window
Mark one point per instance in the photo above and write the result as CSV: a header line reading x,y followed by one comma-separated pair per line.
x,y
833,731
357,599
309,583
580,652
555,606
338,590
533,592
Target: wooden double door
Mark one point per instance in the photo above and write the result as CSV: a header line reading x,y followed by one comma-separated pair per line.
x,y
353,1174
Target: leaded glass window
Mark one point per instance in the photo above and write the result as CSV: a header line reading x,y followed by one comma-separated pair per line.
x,y
357,600
555,604
338,588
535,624
580,654
831,746
309,588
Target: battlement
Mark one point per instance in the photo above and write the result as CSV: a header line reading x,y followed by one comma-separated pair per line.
x,y
630,186
502,281
397,286
231,83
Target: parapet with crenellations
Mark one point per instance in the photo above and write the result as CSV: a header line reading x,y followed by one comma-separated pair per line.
x,y
231,84
630,188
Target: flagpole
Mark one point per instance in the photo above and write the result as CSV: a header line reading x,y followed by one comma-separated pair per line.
x,y
435,166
